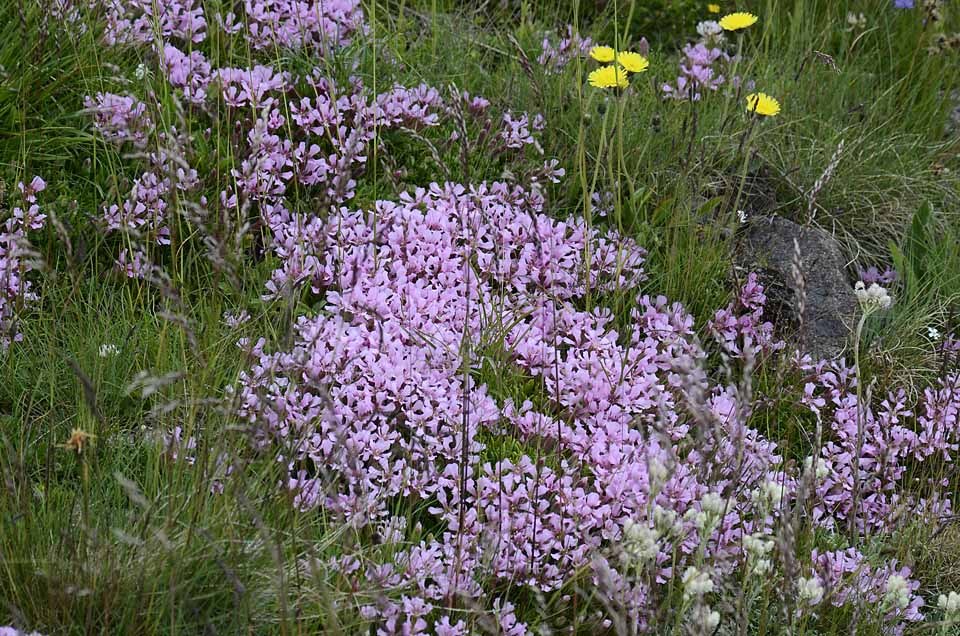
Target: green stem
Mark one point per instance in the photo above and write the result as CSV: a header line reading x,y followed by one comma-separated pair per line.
x,y
733,75
621,172
856,474
745,144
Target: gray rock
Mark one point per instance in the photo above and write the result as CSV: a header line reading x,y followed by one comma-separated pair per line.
x,y
953,122
765,245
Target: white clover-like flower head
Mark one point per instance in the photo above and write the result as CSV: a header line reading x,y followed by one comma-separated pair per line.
x,y
823,467
696,583
710,32
707,28
856,20
697,517
810,590
873,298
706,618
950,604
757,545
768,494
640,542
667,521
761,567
897,592
657,472
713,504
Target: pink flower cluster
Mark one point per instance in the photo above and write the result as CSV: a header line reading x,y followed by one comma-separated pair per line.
x,y
848,579
16,260
325,24
868,450
701,67
190,73
143,215
554,58
873,275
13,631
740,328
120,118
331,136
141,21
697,72
374,402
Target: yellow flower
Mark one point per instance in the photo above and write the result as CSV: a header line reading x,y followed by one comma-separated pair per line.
x,y
737,21
633,62
602,53
608,77
762,104
713,8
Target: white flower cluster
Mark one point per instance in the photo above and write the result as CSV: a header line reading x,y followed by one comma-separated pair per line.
x,y
696,583
856,21
713,504
710,31
758,549
640,542
897,592
768,494
810,591
667,522
872,298
950,604
699,519
823,468
706,618
712,508
657,473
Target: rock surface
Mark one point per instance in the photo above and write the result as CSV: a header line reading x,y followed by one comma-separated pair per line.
x,y
766,245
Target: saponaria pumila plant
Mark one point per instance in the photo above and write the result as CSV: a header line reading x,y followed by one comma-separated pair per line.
x,y
640,474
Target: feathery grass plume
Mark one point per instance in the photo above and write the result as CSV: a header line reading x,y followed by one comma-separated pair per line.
x,y
527,68
799,286
823,180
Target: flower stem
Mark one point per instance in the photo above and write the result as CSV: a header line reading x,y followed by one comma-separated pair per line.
x,y
733,77
860,413
745,147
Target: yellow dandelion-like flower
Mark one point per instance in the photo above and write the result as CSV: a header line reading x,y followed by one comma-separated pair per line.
x,y
762,104
608,77
737,21
633,62
713,8
603,53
